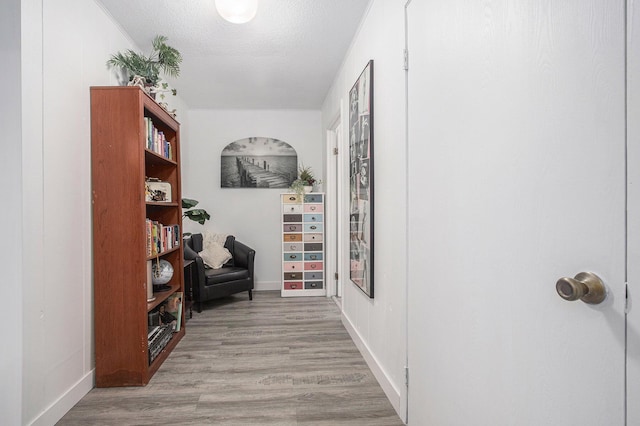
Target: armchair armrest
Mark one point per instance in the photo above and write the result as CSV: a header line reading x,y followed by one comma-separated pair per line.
x,y
189,253
244,256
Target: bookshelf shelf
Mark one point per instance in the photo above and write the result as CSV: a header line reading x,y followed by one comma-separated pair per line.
x,y
121,119
164,253
155,158
160,297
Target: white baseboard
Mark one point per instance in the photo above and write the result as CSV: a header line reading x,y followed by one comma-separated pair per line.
x,y
52,414
381,376
267,285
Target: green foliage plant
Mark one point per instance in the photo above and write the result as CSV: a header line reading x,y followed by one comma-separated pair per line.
x,y
305,179
163,58
197,215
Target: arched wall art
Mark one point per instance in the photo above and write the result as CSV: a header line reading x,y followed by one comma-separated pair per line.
x,y
258,162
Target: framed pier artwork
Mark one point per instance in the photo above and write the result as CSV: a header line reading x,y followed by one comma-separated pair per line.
x,y
361,181
258,162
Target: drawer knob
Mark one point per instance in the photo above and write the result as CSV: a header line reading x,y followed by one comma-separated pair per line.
x,y
314,227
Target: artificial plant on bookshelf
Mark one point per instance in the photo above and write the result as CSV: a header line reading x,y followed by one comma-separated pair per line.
x,y
133,140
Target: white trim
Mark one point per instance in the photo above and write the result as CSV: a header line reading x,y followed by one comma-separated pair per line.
x,y
52,414
378,372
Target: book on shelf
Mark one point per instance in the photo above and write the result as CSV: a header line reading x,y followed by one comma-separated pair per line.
x,y
156,141
161,238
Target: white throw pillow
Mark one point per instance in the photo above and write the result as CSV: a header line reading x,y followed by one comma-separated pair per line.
x,y
214,254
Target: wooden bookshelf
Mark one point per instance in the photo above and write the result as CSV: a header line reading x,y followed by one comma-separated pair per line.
x,y
121,161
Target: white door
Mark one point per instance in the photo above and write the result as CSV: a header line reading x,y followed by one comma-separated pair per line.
x,y
517,178
633,209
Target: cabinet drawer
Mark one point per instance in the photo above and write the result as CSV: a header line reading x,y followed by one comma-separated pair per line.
x,y
292,257
292,208
312,198
313,266
313,275
292,218
291,199
312,257
288,276
292,227
292,246
312,246
313,208
292,266
291,237
310,217
313,285
312,238
313,227
293,285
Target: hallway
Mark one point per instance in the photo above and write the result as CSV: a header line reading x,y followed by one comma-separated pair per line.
x,y
270,361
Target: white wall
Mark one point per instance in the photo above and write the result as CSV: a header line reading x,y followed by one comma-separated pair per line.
x,y
11,214
65,46
378,325
252,215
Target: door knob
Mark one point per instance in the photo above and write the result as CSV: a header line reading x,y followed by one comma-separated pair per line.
x,y
585,286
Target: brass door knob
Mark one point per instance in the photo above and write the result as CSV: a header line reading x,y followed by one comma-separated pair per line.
x,y
585,286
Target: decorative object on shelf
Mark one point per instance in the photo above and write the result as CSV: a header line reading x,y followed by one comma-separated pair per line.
x,y
144,71
258,162
162,272
158,191
237,11
305,181
361,180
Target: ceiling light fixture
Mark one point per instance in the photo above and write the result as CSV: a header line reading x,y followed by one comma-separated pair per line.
x,y
237,11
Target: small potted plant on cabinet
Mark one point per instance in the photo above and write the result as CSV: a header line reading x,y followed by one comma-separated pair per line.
x,y
305,181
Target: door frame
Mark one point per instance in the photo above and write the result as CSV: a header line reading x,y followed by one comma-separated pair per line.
x,y
334,205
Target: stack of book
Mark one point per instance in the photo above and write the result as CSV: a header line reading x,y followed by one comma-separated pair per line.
x,y
161,238
156,140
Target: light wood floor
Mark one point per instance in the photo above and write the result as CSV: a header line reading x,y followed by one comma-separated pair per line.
x,y
271,361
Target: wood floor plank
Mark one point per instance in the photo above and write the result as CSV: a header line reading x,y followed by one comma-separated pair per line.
x,y
270,361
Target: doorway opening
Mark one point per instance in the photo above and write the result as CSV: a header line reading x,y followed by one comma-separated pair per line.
x,y
334,208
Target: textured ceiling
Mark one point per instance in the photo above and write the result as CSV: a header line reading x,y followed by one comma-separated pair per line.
x,y
285,58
